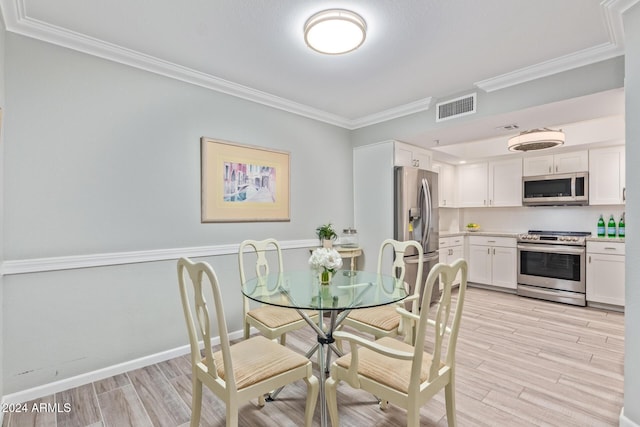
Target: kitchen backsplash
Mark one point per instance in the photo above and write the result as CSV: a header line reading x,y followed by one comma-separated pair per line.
x,y
520,219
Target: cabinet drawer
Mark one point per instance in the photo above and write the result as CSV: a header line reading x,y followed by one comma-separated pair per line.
x,y
508,242
611,248
447,242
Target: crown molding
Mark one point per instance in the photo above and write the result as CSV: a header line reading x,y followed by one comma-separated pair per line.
x,y
17,21
392,113
612,11
547,68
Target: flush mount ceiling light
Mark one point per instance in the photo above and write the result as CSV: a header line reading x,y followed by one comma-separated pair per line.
x,y
536,139
335,31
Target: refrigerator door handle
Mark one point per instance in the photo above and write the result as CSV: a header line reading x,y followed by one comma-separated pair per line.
x,y
425,194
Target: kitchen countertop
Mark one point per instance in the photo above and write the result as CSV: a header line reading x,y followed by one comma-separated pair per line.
x,y
478,233
605,239
513,234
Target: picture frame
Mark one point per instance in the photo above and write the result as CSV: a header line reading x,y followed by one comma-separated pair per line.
x,y
243,183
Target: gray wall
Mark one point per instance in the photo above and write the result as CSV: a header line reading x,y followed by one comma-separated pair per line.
x,y
582,81
2,105
632,265
104,158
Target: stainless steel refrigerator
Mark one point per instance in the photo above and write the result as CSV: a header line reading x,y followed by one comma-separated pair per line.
x,y
416,218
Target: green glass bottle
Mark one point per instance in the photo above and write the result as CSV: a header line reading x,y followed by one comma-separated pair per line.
x,y
611,227
601,231
621,226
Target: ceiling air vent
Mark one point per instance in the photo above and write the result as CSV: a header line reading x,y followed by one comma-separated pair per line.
x,y
456,107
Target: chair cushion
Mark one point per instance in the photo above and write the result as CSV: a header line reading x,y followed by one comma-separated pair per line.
x,y
391,372
274,317
385,317
258,359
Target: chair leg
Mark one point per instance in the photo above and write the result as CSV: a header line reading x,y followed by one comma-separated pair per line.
x,y
331,390
247,330
232,414
413,416
450,399
196,401
283,339
313,388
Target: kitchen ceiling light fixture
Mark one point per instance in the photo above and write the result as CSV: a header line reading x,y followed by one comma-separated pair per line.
x,y
536,139
335,31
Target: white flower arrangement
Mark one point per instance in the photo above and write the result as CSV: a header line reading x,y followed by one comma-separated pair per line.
x,y
327,259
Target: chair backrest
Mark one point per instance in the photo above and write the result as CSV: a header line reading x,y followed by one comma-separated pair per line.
x,y
443,324
399,267
199,327
260,247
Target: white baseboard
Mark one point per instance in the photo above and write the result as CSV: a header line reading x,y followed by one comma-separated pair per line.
x,y
100,374
626,422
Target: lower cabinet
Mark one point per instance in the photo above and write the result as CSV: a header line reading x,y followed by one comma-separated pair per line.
x,y
451,249
605,272
492,261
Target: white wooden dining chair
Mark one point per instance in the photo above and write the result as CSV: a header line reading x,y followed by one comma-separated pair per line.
x,y
240,372
403,374
385,321
272,322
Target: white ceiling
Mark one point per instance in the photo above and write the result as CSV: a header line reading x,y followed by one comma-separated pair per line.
x,y
416,51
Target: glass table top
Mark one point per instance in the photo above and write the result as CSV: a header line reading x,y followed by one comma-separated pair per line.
x,y
347,290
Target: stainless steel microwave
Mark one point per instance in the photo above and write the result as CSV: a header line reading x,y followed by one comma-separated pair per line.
x,y
558,189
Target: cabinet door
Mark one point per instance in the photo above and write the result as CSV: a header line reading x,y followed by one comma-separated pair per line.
x,y
605,279
472,185
480,264
421,158
403,156
505,183
539,165
504,268
606,176
446,184
456,253
576,161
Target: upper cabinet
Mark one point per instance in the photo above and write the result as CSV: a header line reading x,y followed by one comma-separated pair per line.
x,y
505,183
490,184
446,184
607,176
473,189
576,161
410,155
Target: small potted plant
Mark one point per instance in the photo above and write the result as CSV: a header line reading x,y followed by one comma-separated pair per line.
x,y
327,235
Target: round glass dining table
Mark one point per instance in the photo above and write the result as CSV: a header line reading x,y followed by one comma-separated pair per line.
x,y
302,291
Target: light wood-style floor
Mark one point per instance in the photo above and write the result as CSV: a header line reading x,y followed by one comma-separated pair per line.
x,y
521,362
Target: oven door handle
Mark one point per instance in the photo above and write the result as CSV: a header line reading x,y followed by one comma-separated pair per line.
x,y
552,249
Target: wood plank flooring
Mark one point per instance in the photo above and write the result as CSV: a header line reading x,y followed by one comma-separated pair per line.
x,y
520,362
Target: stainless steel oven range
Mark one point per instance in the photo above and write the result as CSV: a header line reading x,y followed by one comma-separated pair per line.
x,y
551,266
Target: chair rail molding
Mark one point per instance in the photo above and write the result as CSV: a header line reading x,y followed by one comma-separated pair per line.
x,y
37,265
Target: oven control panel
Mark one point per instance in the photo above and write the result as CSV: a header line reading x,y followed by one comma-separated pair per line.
x,y
557,238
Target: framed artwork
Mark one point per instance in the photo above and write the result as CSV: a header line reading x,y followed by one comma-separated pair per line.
x,y
242,183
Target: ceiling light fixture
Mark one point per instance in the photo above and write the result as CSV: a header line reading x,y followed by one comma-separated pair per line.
x,y
335,31
536,139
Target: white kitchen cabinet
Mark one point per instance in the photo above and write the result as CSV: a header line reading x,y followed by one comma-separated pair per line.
x,y
410,155
607,176
451,249
505,183
492,261
605,273
473,190
574,161
446,184
490,184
